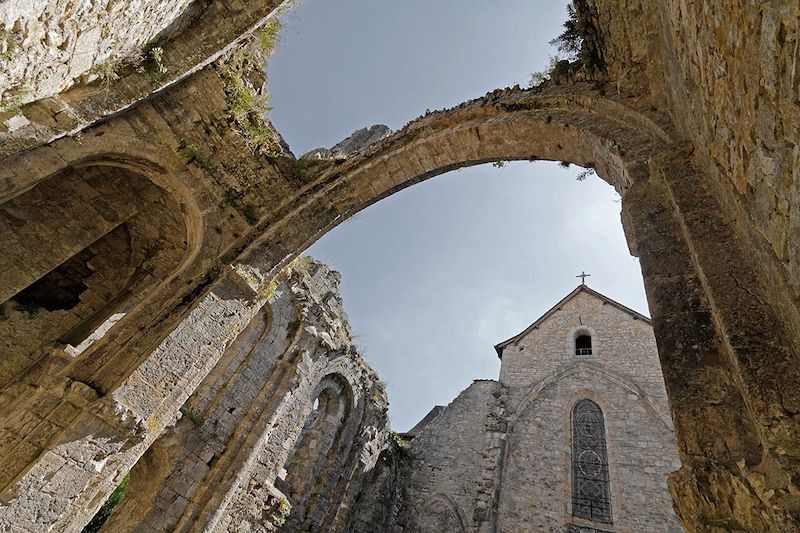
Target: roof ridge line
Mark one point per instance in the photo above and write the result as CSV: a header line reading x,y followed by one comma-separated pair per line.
x,y
580,288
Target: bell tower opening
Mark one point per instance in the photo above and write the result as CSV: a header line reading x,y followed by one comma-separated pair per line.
x,y
583,345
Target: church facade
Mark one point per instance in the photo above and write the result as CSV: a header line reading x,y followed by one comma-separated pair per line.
x,y
575,436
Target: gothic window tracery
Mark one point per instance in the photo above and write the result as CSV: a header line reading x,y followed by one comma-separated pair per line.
x,y
591,493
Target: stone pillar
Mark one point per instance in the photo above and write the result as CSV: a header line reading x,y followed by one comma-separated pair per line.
x,y
187,465
79,461
729,365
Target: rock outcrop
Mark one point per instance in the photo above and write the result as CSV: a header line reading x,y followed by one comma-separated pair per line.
x,y
356,142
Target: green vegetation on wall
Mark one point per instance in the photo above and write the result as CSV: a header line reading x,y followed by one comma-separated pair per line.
x,y
578,46
108,507
246,90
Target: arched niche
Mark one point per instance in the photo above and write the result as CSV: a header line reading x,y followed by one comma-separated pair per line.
x,y
573,349
82,249
307,466
442,515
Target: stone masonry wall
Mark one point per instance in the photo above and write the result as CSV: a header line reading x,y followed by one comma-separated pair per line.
x,y
76,63
218,466
536,492
733,79
498,458
546,378
621,344
47,45
450,460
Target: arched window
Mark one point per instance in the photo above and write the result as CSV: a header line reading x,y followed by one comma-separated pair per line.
x,y
441,516
583,345
591,492
307,482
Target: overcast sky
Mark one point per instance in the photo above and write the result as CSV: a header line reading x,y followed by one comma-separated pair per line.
x,y
434,276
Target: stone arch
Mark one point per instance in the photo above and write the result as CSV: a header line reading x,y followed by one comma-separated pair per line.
x,y
99,236
105,147
510,124
442,515
611,377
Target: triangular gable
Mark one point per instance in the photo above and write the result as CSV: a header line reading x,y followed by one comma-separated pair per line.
x,y
580,288
432,414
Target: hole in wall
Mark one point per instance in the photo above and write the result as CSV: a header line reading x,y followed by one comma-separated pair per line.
x,y
60,289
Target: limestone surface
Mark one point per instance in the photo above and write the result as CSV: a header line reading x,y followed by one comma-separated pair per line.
x,y
147,222
501,456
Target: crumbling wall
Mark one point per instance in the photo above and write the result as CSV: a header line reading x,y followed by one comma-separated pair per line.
x,y
49,45
382,495
112,55
221,465
709,201
83,248
448,475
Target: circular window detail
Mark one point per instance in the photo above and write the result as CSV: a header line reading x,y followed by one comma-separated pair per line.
x,y
590,464
587,424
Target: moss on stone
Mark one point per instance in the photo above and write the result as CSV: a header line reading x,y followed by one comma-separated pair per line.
x,y
13,99
187,150
267,291
248,211
307,169
398,448
195,419
8,44
108,507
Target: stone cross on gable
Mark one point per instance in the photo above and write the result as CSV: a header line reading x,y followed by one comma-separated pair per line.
x,y
583,275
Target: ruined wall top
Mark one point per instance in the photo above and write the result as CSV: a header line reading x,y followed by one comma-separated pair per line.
x,y
49,46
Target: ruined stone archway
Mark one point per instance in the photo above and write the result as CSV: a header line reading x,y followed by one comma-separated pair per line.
x,y
667,209
217,466
711,221
572,125
673,223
